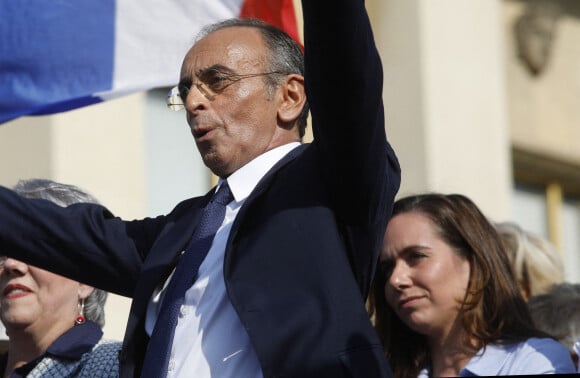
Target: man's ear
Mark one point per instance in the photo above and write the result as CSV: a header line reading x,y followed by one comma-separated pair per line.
x,y
293,98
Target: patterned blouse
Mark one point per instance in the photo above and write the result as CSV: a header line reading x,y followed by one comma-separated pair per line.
x,y
79,352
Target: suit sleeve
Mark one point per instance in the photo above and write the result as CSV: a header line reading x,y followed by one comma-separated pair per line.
x,y
84,242
344,83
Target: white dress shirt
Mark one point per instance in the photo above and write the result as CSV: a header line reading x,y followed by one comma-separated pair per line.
x,y
210,340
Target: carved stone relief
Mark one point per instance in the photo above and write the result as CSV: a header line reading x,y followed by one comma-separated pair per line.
x,y
535,32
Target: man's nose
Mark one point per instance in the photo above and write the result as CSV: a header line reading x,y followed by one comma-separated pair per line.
x,y
197,97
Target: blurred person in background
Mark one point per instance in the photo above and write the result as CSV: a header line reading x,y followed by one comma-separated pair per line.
x,y
557,313
536,262
54,324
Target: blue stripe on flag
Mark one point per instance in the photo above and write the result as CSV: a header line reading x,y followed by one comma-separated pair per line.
x,y
54,52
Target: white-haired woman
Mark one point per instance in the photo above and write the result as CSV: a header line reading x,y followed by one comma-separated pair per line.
x,y
54,324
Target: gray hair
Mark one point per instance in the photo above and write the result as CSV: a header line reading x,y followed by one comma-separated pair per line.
x,y
65,195
557,312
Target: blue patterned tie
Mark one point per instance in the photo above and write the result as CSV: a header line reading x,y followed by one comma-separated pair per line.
x,y
159,348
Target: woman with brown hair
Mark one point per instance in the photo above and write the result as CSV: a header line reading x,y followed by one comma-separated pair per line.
x,y
445,299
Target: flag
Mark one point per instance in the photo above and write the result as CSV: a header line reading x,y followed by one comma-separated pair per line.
x,y
60,55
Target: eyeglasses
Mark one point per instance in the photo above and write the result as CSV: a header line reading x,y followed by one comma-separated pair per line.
x,y
211,83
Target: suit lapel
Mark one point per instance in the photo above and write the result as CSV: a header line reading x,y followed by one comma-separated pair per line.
x,y
166,251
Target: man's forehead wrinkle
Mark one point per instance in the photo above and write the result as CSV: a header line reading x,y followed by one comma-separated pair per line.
x,y
195,60
244,57
238,54
187,72
213,67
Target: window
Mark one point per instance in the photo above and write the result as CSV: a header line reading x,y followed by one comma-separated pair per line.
x,y
546,201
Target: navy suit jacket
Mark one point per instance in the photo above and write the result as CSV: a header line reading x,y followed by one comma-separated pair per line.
x,y
304,246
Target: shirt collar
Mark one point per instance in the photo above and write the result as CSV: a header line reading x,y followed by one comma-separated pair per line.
x,y
488,360
243,181
76,341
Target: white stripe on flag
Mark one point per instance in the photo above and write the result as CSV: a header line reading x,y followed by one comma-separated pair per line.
x,y
154,36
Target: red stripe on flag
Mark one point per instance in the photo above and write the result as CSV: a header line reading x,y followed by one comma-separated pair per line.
x,y
279,13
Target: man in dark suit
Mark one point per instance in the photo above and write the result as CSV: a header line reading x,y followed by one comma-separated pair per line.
x,y
281,290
